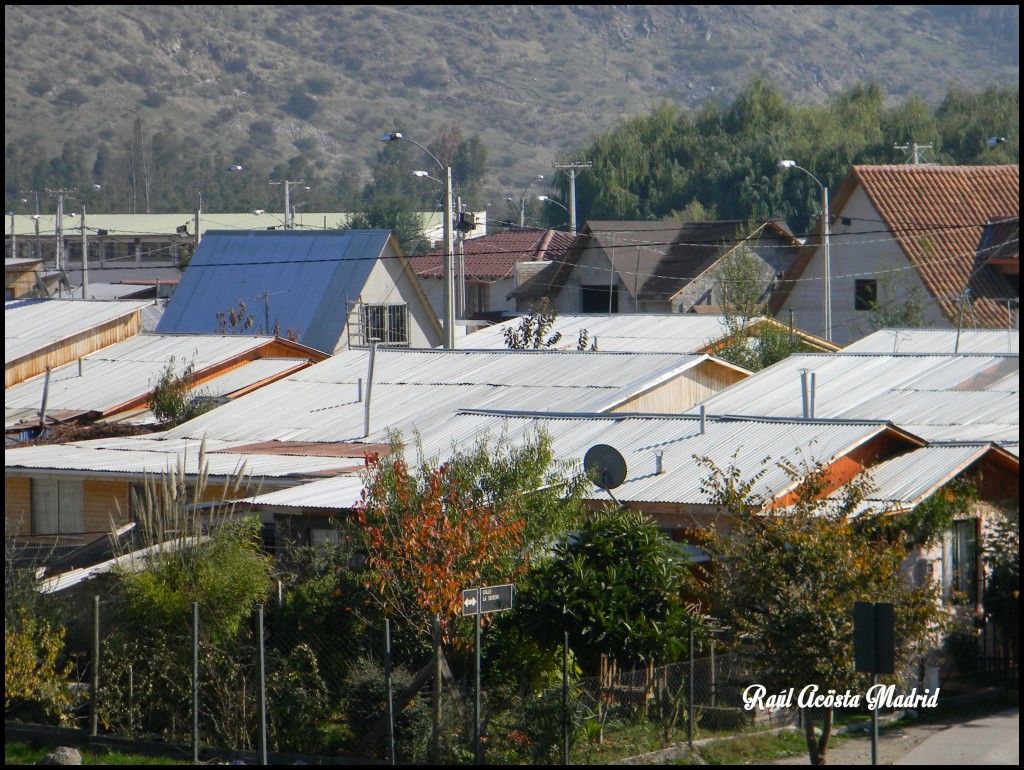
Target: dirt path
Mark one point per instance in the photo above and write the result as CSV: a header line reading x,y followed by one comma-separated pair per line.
x,y
856,749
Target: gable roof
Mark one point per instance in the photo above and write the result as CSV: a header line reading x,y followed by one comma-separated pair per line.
x,y
656,260
304,277
493,257
938,215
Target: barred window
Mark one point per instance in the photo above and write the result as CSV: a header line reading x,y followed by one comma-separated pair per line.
x,y
387,323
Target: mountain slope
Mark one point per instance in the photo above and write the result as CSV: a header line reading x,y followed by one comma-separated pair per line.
x,y
266,83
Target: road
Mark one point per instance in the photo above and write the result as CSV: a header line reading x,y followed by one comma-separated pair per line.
x,y
991,740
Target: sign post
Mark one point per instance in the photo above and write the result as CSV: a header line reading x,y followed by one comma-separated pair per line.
x,y
477,602
874,650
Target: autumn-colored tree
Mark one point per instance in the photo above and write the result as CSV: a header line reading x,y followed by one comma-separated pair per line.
x,y
433,529
788,579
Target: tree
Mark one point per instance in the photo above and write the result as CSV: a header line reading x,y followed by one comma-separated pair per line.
x,y
614,585
174,399
434,529
743,281
534,331
789,578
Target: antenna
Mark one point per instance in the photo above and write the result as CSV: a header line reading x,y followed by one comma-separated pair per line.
x,y
606,466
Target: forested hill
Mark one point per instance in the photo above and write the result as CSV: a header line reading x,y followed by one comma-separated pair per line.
x,y
311,88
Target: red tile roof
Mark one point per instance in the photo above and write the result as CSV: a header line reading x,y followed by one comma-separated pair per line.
x,y
493,256
938,215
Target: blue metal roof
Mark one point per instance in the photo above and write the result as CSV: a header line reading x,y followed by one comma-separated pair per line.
x,y
297,279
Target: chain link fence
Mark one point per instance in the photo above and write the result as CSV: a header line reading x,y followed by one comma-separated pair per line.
x,y
320,688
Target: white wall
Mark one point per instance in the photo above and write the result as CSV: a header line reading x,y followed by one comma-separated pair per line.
x,y
861,250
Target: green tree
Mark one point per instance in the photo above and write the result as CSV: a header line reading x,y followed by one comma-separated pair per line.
x,y
789,578
615,586
534,331
174,399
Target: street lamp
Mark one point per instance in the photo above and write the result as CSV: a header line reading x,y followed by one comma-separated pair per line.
x,y
522,199
549,199
449,250
827,229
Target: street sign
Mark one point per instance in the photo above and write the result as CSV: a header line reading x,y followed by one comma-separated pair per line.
x,y
495,599
483,601
471,602
873,637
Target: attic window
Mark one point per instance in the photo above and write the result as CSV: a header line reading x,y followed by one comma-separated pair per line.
x,y
387,323
865,294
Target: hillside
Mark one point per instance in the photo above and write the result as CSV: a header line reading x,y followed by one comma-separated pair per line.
x,y
266,83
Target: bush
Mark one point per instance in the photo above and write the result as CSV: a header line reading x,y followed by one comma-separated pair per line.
x,y
173,400
32,674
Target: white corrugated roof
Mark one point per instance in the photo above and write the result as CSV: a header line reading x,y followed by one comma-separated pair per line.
x,y
31,324
421,389
639,438
637,333
904,481
997,341
959,397
128,370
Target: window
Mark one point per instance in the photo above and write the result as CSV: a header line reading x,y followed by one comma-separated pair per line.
x,y
599,299
478,298
960,562
865,294
387,323
57,507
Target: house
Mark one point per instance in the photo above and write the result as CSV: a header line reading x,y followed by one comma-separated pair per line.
x,y
492,266
329,289
947,341
933,242
127,248
941,397
321,421
27,278
637,333
116,382
657,267
41,334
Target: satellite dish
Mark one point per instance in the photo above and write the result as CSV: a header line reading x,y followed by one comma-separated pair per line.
x,y
605,465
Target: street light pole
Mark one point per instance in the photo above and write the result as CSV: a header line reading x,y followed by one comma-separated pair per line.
x,y
549,199
449,249
522,200
826,225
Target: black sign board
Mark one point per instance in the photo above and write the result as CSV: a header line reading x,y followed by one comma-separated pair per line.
x,y
482,601
874,638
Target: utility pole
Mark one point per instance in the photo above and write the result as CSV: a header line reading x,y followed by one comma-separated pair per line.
x,y
85,259
287,200
914,149
58,225
571,169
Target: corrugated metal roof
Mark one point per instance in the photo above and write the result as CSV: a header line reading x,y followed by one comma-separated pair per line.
x,y
639,438
297,280
995,341
639,333
960,393
128,370
904,481
156,455
421,389
339,493
32,324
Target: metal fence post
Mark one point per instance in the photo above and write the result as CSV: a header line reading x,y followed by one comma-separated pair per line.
x,y
565,698
689,710
389,697
263,688
195,682
94,700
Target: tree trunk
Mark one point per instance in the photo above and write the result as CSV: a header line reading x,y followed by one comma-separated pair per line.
x,y
817,749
